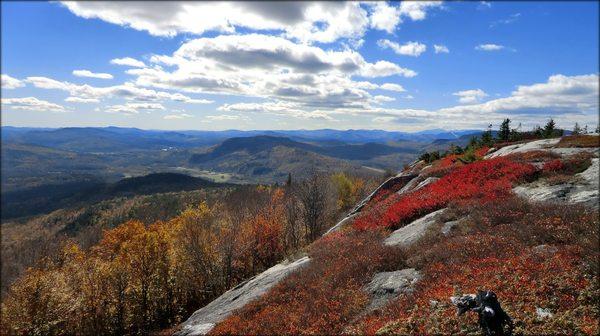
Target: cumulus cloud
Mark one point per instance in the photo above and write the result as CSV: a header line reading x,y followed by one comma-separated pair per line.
x,y
81,100
440,49
559,95
392,87
385,17
414,49
177,116
128,61
380,99
566,98
470,96
127,90
89,74
9,82
133,108
271,67
307,22
489,47
32,104
417,10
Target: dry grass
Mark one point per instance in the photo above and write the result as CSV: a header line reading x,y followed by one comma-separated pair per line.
x,y
579,141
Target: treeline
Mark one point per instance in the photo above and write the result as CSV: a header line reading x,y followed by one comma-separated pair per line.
x,y
140,278
505,134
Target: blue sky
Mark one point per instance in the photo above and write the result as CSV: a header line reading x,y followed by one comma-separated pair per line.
x,y
396,66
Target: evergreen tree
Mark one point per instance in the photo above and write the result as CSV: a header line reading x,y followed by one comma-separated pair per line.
x,y
549,128
577,130
473,143
486,137
537,131
504,132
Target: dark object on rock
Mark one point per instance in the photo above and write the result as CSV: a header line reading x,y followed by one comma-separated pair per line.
x,y
492,318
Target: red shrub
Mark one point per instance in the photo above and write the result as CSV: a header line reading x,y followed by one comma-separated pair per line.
x,y
324,295
483,180
554,165
523,282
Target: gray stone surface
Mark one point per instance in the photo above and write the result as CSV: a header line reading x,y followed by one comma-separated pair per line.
x,y
582,190
342,223
524,147
543,313
386,286
409,186
425,182
410,233
448,226
204,319
545,250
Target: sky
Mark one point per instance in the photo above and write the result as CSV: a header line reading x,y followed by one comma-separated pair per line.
x,y
403,66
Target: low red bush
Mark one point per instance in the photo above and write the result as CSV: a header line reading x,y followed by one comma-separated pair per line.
x,y
553,166
523,282
482,180
323,296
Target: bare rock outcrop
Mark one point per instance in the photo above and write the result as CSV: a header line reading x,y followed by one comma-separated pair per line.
x,y
386,286
204,319
582,190
412,232
524,147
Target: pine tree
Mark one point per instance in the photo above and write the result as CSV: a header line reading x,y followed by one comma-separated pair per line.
x,y
549,128
504,132
537,131
486,137
577,130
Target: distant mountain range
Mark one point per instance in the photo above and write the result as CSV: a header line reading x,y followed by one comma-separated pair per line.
x,y
117,139
67,164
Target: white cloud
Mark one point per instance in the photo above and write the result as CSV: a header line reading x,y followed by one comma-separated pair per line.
x,y
127,90
385,17
384,120
32,104
9,82
439,49
222,117
384,69
307,22
380,99
81,100
489,47
470,96
414,49
560,94
128,61
392,87
263,66
417,10
177,116
566,98
133,108
89,74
